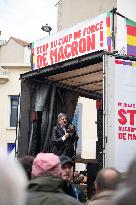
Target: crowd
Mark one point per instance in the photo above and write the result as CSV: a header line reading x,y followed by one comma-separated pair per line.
x,y
49,178
51,182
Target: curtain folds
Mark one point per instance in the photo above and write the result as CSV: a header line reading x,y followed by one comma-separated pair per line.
x,y
49,102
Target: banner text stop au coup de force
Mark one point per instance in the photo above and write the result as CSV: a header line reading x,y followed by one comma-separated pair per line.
x,y
81,39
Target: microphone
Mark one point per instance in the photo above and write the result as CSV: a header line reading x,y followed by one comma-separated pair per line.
x,y
70,129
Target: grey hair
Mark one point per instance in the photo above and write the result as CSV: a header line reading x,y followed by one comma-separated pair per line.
x,y
61,115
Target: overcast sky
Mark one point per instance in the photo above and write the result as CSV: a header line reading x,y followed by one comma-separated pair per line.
x,y
23,18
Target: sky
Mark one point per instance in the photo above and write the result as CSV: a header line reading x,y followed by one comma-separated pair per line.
x,y
23,19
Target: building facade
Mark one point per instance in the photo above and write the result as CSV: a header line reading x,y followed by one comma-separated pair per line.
x,y
71,12
14,60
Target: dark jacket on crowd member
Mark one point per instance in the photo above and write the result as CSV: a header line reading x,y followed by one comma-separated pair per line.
x,y
76,192
60,147
48,190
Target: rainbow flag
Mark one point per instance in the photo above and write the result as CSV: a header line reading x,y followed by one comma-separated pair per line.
x,y
131,37
109,35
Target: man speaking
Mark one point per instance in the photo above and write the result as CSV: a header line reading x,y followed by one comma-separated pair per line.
x,y
64,138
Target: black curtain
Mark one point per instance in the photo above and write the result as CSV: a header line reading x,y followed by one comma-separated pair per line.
x,y
49,100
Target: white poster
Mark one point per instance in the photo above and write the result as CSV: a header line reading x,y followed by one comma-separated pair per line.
x,y
125,113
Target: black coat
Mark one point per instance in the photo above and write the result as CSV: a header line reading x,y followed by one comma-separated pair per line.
x,y
60,147
75,191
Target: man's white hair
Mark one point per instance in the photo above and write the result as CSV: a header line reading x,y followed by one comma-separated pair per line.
x,y
61,115
13,182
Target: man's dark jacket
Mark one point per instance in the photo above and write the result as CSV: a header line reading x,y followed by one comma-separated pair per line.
x,y
48,190
75,191
60,147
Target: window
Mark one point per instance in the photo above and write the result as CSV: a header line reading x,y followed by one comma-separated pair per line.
x,y
10,147
14,110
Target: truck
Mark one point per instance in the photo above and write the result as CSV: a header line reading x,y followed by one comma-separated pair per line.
x,y
94,59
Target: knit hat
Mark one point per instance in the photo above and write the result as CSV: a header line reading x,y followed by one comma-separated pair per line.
x,y
46,162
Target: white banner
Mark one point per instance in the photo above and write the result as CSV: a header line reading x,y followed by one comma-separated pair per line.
x,y
125,113
83,38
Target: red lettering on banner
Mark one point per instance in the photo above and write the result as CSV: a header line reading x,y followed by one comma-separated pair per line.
x,y
93,28
101,25
38,50
39,61
53,56
60,54
79,40
74,50
45,63
125,105
42,49
127,129
42,60
126,136
61,41
54,43
51,45
67,51
131,136
123,119
91,42
77,34
82,45
132,116
129,105
97,27
70,36
119,104
122,136
71,50
127,116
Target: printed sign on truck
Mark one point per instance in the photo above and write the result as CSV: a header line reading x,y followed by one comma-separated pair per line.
x,y
125,113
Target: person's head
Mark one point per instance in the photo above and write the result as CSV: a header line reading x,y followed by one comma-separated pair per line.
x,y
107,179
81,178
13,182
27,162
76,176
46,163
66,168
62,119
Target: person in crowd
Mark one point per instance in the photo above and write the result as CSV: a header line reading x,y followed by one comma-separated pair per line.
x,y
106,183
76,177
81,179
71,189
13,182
126,195
46,186
27,162
64,137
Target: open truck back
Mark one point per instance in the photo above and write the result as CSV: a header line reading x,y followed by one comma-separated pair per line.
x,y
83,61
